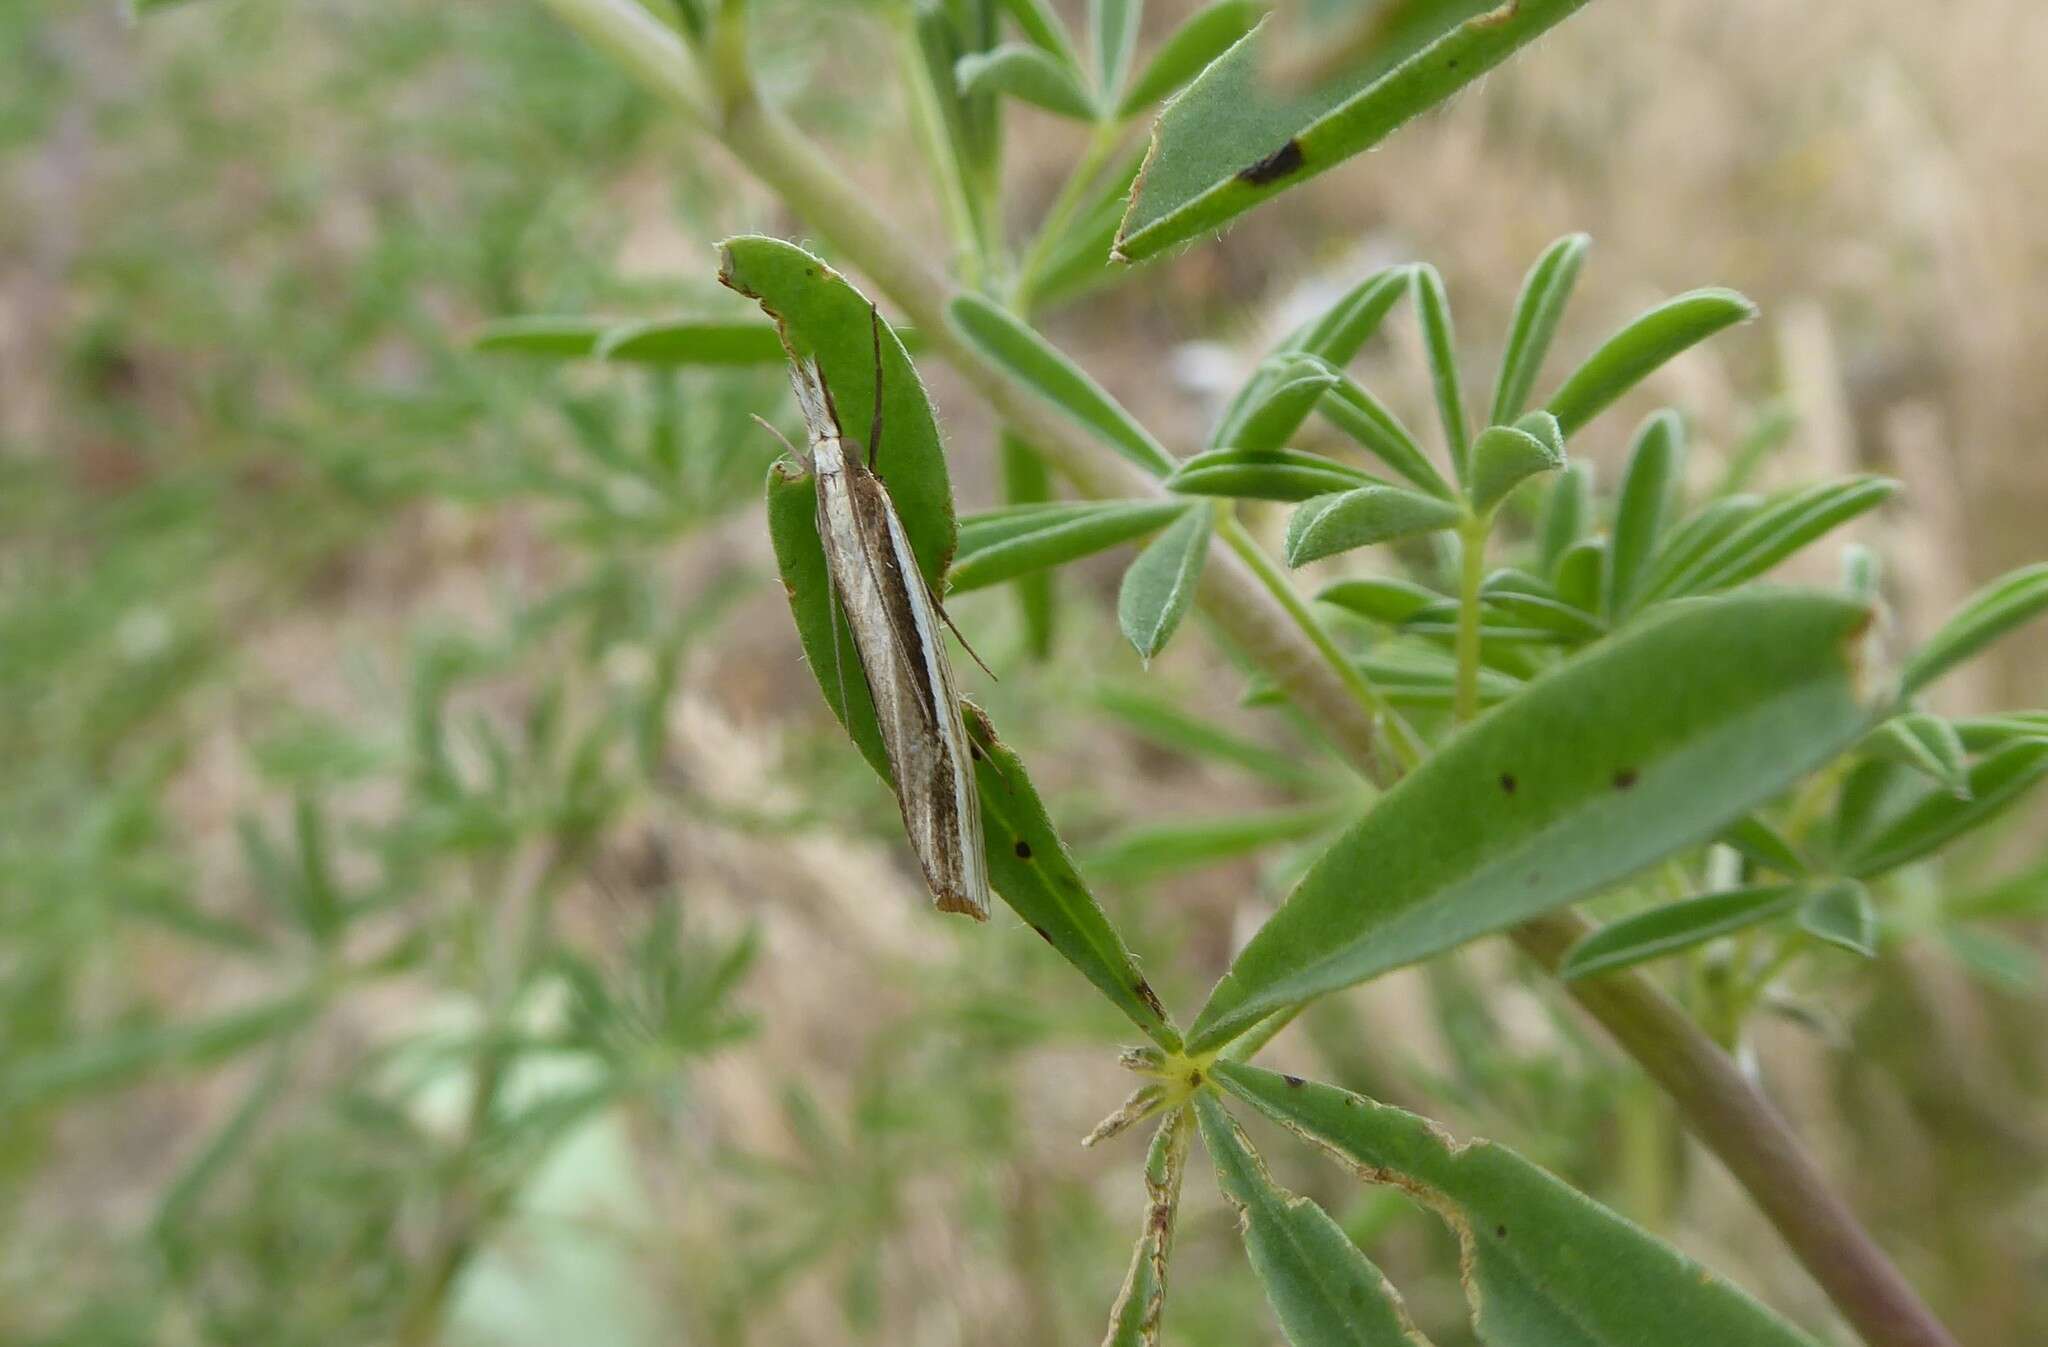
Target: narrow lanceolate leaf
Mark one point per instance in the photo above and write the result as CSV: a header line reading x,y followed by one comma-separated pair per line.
x,y
1764,845
1231,141
1841,915
1995,783
1113,25
1264,474
1630,355
1042,24
998,550
1982,733
1781,527
1676,927
1700,533
1160,584
1926,743
1167,848
1989,614
1025,72
1078,260
1573,625
1566,514
1364,418
824,318
1578,573
1001,337
1030,869
1323,1290
1543,1265
667,341
1207,34
1341,331
1503,457
1135,1319
1537,310
1327,525
1440,345
1594,771
1283,392
1649,489
1383,599
124,1056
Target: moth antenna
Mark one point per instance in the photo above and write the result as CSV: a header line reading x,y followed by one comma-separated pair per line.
x,y
825,387
875,425
776,433
940,609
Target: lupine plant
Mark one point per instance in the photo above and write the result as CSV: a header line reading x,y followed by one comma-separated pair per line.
x,y
1546,695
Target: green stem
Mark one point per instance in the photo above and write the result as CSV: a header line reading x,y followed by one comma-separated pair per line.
x,y
1471,574
1071,194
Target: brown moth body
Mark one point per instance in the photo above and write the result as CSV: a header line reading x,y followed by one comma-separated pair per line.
x,y
895,624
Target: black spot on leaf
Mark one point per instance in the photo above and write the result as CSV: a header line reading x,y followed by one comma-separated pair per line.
x,y
1275,166
1625,778
1023,850
1043,934
1500,1232
1507,782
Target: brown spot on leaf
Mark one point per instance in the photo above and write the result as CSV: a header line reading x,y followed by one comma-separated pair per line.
x,y
1625,778
1507,782
1275,166
1500,1232
974,751
1150,998
1023,850
1043,934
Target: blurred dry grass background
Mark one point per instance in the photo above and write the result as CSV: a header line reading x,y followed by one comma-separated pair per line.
x,y
247,243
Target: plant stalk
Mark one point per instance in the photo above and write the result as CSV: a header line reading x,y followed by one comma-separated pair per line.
x,y
1721,1106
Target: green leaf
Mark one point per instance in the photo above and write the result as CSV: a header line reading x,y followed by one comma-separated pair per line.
x,y
1230,141
1649,490
1383,599
1578,574
1113,25
1042,24
1323,1290
1537,310
1996,783
1764,845
1264,474
1989,614
1164,721
1025,72
1134,1320
1631,354
1980,733
1043,538
1841,915
124,1056
1503,457
2022,896
1360,415
1166,848
1675,927
683,342
1440,345
1998,961
1206,35
1341,331
556,336
1572,624
1008,342
1027,480
1594,771
1407,679
1160,584
1926,743
1542,1265
1777,530
1327,525
1700,533
1566,512
822,316
1078,261
1030,869
1281,394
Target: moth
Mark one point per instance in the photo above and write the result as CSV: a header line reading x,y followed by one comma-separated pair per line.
x,y
895,623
